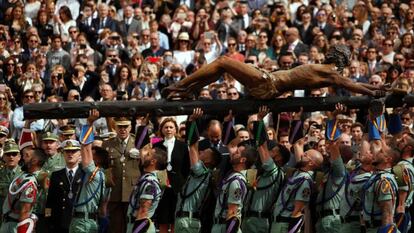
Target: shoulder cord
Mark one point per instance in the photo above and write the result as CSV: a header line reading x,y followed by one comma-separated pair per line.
x,y
298,182
18,191
226,194
278,178
182,193
140,185
323,201
94,193
348,202
366,186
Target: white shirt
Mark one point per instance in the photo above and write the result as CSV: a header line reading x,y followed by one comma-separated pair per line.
x,y
169,143
73,169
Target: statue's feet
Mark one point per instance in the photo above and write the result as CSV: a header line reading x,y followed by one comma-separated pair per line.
x,y
173,92
379,93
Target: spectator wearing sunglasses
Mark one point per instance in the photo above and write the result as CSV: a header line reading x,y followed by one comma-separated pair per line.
x,y
18,118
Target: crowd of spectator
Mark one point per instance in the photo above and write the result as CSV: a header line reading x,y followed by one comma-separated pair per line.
x,y
70,50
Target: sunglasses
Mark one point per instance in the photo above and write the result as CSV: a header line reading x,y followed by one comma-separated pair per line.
x,y
14,154
34,41
3,98
10,64
29,96
231,45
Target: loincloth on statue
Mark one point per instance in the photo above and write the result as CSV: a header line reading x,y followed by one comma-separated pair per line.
x,y
266,88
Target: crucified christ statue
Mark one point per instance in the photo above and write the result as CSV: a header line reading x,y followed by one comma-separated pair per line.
x,y
262,84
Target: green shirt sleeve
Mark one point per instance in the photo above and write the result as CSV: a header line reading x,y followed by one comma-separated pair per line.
x,y
384,190
304,192
236,194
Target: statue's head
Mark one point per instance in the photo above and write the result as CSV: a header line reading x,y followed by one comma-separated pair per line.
x,y
340,55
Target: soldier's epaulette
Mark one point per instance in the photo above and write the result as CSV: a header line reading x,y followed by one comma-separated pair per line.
x,y
251,175
401,175
162,177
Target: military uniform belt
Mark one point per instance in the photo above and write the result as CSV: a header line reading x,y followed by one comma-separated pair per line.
x,y
283,219
85,215
219,221
258,214
186,214
373,224
349,219
324,213
7,218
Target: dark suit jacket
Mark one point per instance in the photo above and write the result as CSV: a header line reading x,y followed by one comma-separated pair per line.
x,y
300,48
327,30
109,23
58,201
134,26
180,162
306,34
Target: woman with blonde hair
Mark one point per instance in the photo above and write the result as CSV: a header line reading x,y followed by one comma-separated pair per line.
x,y
5,110
148,81
57,84
178,169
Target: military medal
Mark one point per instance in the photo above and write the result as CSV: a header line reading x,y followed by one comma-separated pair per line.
x,y
70,194
169,167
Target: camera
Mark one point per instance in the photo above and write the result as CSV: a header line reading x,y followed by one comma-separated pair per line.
x,y
82,46
114,60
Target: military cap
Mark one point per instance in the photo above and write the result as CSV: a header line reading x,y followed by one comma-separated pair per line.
x,y
48,136
71,145
67,129
4,130
11,147
122,121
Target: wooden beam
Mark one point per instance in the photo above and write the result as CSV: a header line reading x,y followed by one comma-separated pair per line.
x,y
169,108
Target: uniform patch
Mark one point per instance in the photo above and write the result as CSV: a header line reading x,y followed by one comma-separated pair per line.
x,y
306,192
29,192
237,194
149,189
385,187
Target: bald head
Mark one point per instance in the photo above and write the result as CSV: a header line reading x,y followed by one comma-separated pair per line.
x,y
292,34
345,139
214,131
316,158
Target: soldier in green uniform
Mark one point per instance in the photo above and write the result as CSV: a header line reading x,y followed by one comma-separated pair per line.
x,y
56,160
124,165
268,184
67,132
18,206
406,190
379,200
351,203
233,190
87,202
295,194
331,191
194,192
11,168
147,192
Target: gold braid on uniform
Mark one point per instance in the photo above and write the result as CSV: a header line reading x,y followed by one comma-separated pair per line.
x,y
93,174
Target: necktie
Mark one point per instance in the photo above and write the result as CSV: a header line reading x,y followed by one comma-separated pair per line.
x,y
102,23
70,176
127,25
123,146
